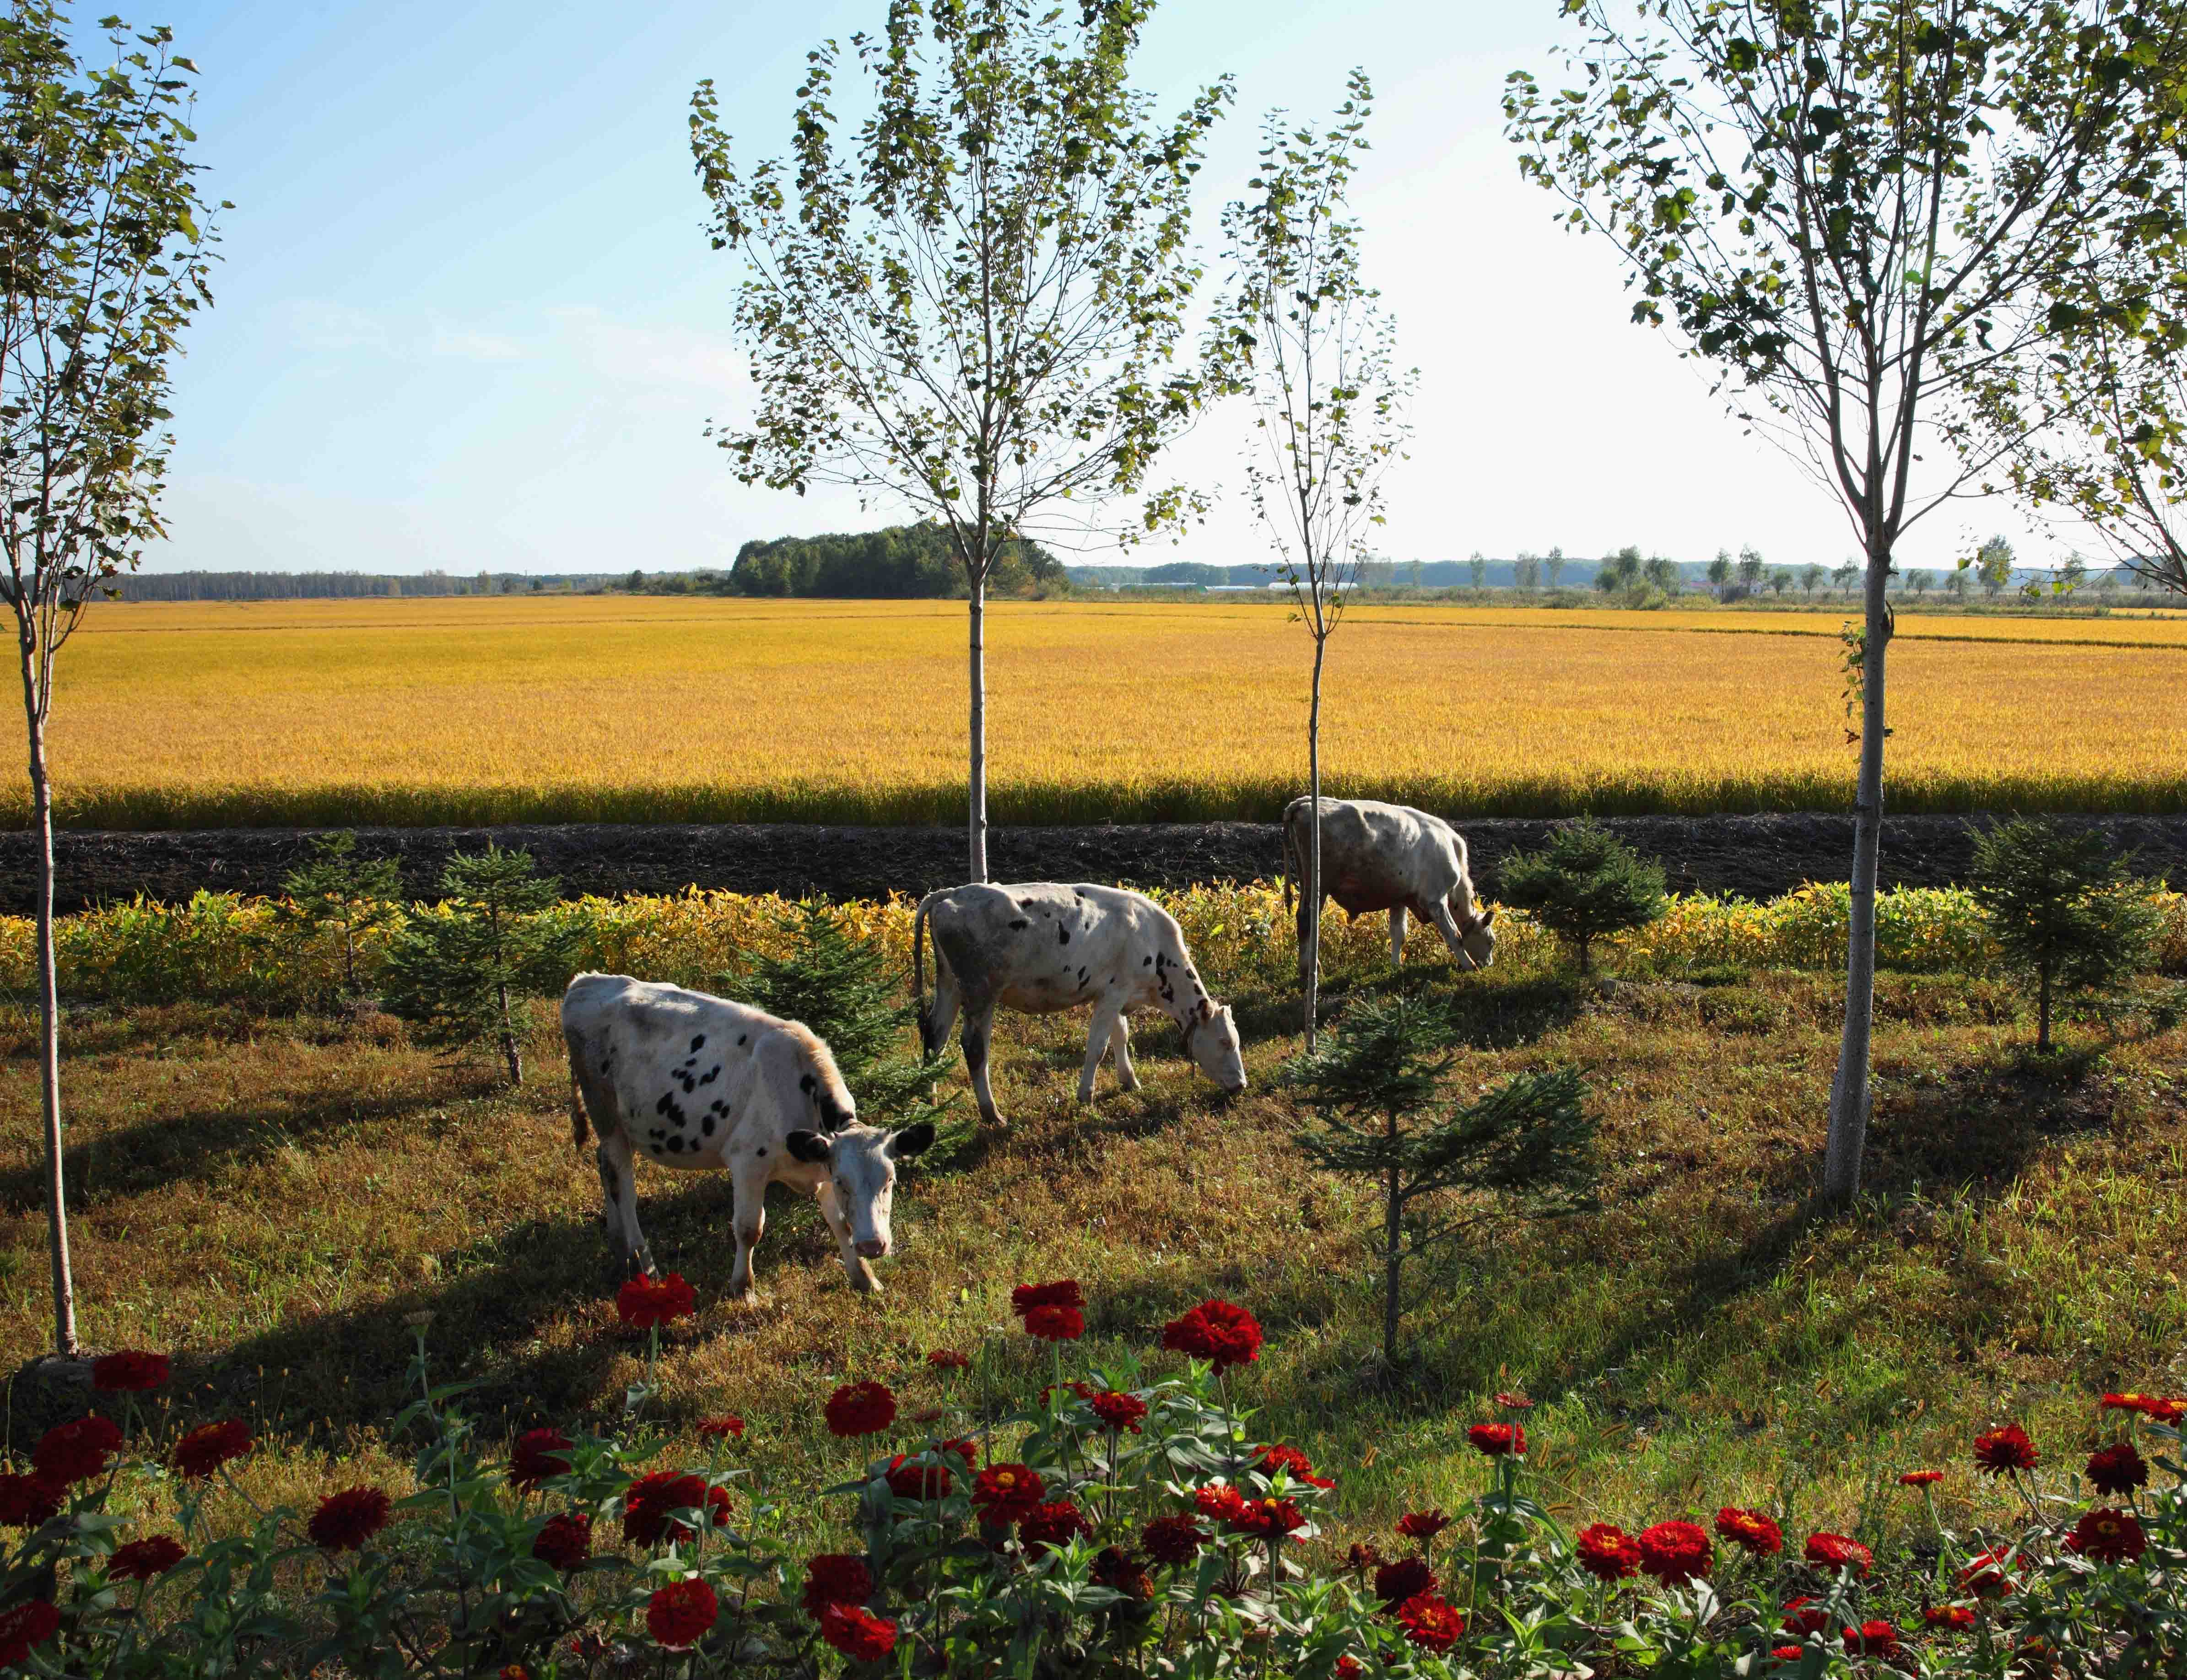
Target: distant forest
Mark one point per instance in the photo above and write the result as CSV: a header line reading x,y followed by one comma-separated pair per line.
x,y
903,562
333,586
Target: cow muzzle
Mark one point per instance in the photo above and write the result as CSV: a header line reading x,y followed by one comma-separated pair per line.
x,y
872,1248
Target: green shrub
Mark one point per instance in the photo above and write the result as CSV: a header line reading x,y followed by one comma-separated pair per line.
x,y
1584,885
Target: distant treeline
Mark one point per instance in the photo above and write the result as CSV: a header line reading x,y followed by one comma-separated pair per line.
x,y
904,562
309,586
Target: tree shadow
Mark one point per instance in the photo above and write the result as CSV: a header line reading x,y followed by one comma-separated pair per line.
x,y
1982,1126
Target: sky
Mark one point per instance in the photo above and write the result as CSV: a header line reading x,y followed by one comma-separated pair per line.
x,y
467,318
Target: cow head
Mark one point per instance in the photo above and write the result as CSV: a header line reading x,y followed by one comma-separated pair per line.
x,y
1211,1037
1476,936
860,1162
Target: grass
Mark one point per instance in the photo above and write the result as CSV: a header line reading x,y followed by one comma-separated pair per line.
x,y
618,708
277,1196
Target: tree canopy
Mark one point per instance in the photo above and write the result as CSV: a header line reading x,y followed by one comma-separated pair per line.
x,y
903,562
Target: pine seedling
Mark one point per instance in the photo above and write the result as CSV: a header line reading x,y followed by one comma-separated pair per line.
x,y
344,894
1585,883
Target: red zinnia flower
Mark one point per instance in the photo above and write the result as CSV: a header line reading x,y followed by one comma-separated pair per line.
x,y
1423,1525
1984,1574
2154,1407
1874,1638
1835,1551
1055,1324
1270,1519
1172,1540
909,1481
2007,1448
538,1456
565,1540
1119,1410
648,1505
1118,1571
1921,1478
1607,1551
77,1451
682,1613
1757,1534
1219,1500
948,1359
346,1520
1788,1653
727,1427
1064,1292
1430,1623
1949,1616
1056,1523
2117,1469
1004,1492
1362,1556
2108,1534
1293,1462
968,1450
1805,1615
1215,1330
205,1448
1499,1440
1675,1551
29,1624
26,1501
644,1302
131,1371
858,1634
1349,1668
860,1408
1406,1578
1082,1390
835,1578
143,1559
1516,1402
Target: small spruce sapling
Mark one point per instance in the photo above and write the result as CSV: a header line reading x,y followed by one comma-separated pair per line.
x,y
344,894
1584,884
452,973
1524,1149
2062,909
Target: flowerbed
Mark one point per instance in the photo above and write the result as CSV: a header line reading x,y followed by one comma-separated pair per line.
x,y
1126,1521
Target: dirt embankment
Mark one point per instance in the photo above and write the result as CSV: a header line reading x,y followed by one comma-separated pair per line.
x,y
1757,856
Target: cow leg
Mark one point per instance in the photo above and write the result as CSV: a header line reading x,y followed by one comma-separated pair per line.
x,y
1107,1017
978,1030
748,1216
619,1188
1446,925
1397,920
1120,1040
854,1266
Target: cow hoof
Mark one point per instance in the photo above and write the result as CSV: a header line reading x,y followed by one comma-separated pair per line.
x,y
864,1281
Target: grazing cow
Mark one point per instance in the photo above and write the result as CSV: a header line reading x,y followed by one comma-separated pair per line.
x,y
697,1081
1377,857
1040,948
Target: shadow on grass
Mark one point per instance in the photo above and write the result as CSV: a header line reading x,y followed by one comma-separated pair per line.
x,y
1982,1126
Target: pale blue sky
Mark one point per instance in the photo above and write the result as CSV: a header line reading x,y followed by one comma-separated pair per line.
x,y
467,316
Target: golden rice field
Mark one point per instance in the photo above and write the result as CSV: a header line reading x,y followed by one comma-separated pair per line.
x,y
622,709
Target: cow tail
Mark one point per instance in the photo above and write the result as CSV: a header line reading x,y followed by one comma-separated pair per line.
x,y
1291,862
578,1128
919,965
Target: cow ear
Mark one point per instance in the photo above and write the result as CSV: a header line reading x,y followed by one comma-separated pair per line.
x,y
807,1146
911,1141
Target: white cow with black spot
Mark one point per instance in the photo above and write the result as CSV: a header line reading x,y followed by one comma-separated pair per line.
x,y
1377,857
1041,948
698,1081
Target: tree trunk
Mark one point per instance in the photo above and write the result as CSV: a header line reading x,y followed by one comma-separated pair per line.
x,y
509,1053
49,1028
977,814
1393,1227
1313,847
1849,1093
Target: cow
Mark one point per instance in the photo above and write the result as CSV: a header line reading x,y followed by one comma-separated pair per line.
x,y
1377,857
698,1081
1042,947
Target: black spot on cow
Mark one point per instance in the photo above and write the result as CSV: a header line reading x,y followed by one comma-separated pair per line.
x,y
742,1036
1062,934
676,1113
675,1146
975,1051
706,1125
1082,976
1078,895
763,1152
668,1101
698,1043
805,1084
1019,924
717,1106
690,1084
710,1074
1146,961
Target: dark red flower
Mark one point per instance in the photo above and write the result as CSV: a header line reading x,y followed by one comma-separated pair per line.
x,y
1498,1441
1516,1402
346,1520
1219,1501
1423,1525
1876,1638
1077,1390
858,1633
1362,1556
1349,1668
948,1359
1921,1478
860,1408
1064,1292
1985,1578
143,1559
1836,1550
2154,1407
75,1451
514,1671
2007,1448
2117,1469
1292,1462
682,1613
1675,1551
26,1501
2108,1534
644,1302
908,1479
205,1448
1756,1534
1119,1410
1607,1551
131,1371
29,1625
1788,1653
649,1503
1805,1615
1430,1623
538,1456
1949,1616
835,1578
1271,1519
965,1448
1118,1571
1406,1578
1002,1493
728,1427
1055,1324
1056,1523
1172,1540
565,1540
1215,1330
